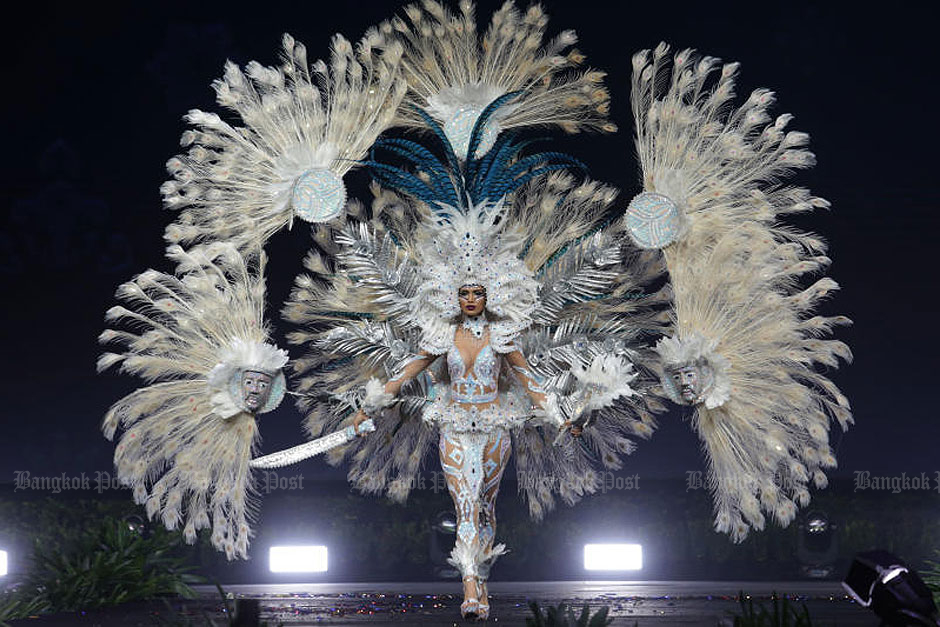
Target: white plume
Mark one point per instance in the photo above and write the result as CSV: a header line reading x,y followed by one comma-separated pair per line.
x,y
735,274
303,127
186,443
454,71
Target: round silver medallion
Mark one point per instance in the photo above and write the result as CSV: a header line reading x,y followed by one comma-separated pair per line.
x,y
318,196
652,220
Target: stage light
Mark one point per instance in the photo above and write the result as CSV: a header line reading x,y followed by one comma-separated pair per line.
x,y
3,563
817,545
817,524
883,583
297,559
613,557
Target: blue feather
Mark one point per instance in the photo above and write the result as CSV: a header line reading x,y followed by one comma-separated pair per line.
x,y
442,183
476,135
448,152
396,178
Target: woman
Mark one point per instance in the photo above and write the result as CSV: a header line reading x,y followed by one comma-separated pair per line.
x,y
474,422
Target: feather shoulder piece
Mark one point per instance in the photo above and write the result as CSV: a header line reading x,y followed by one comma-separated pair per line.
x,y
454,73
304,127
199,342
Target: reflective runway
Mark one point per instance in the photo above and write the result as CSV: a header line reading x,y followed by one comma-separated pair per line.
x,y
642,603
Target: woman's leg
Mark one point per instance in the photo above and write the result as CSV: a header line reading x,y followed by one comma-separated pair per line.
x,y
461,460
496,454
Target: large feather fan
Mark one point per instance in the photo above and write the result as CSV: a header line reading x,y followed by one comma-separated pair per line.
x,y
599,296
304,128
739,307
183,460
454,73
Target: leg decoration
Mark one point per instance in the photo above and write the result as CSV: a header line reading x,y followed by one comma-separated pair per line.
x,y
494,463
461,461
496,454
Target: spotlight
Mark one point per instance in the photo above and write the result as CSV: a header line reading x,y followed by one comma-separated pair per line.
x,y
883,582
613,557
441,538
3,563
297,559
817,545
445,522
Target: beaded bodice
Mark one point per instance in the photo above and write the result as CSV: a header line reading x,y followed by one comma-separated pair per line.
x,y
476,384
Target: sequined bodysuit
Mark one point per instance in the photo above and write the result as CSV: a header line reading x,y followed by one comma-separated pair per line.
x,y
474,418
473,402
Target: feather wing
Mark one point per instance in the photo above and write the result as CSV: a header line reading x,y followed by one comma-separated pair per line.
x,y
737,274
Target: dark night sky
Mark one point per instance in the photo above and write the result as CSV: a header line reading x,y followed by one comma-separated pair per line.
x,y
92,109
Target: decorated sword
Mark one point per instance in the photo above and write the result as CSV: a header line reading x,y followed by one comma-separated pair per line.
x,y
314,447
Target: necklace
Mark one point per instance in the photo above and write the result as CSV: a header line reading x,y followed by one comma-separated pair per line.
x,y
475,325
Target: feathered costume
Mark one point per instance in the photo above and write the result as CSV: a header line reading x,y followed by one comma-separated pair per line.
x,y
575,300
189,435
382,294
742,321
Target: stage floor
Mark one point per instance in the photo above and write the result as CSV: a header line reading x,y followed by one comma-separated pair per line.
x,y
685,603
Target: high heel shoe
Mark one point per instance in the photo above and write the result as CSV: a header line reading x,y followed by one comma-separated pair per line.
x,y
470,608
483,611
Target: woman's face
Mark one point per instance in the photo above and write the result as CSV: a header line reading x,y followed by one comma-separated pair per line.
x,y
472,299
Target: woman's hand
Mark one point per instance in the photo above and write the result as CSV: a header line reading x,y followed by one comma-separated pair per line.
x,y
572,428
357,420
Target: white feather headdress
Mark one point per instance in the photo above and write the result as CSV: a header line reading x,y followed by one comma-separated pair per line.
x,y
304,129
471,248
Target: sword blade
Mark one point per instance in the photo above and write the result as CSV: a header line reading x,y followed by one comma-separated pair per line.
x,y
312,448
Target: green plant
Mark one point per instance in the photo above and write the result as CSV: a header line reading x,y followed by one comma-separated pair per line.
x,y
931,576
107,564
782,615
564,616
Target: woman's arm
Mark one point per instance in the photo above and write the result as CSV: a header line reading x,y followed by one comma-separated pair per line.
x,y
520,369
409,371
